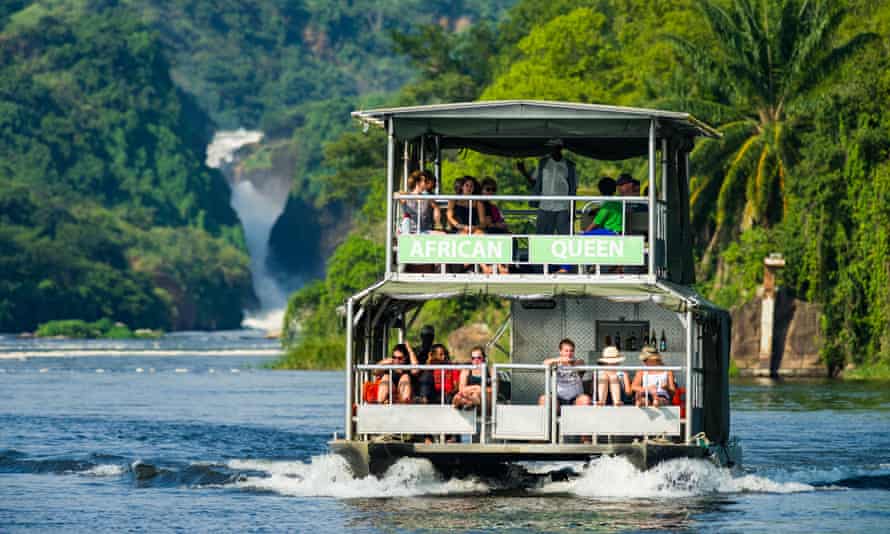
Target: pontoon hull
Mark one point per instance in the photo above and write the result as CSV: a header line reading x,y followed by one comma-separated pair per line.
x,y
374,458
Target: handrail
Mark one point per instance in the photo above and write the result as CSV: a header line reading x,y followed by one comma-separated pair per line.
x,y
530,198
624,367
373,367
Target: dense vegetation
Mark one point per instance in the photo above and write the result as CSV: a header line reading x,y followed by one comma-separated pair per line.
x,y
106,208
800,89
103,328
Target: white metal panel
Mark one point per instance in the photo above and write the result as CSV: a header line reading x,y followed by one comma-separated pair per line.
x,y
619,420
521,422
414,419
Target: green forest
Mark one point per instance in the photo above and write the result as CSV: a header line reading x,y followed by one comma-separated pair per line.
x,y
107,210
799,89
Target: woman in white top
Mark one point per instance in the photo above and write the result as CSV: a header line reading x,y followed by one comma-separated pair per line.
x,y
569,388
612,382
653,387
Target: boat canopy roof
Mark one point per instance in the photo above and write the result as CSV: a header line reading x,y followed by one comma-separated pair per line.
x,y
522,128
666,294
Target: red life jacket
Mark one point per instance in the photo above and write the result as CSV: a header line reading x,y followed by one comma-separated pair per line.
x,y
452,379
680,400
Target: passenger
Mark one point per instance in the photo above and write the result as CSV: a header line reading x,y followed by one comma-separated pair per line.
x,y
554,176
459,210
608,217
569,387
447,379
425,213
422,383
653,387
496,223
612,382
469,394
401,355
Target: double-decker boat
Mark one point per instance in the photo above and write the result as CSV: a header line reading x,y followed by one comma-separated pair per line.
x,y
631,285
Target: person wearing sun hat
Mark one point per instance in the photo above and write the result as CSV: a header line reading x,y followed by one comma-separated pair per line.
x,y
653,387
611,382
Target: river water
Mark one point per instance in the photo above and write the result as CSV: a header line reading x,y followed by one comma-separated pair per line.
x,y
191,433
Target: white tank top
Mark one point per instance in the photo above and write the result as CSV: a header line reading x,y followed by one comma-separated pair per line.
x,y
659,380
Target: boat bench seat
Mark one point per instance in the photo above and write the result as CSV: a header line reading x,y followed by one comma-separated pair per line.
x,y
414,419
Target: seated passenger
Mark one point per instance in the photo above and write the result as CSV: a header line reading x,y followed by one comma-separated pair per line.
x,y
401,355
458,213
612,383
608,216
569,387
653,387
443,379
422,382
425,213
496,223
469,394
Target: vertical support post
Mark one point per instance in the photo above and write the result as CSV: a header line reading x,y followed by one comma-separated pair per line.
x,y
690,337
438,168
406,155
422,162
349,393
552,404
652,211
665,170
390,178
484,371
494,398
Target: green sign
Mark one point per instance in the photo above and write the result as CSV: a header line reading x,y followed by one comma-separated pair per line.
x,y
586,250
434,248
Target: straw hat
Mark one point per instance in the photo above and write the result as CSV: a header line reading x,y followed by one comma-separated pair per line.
x,y
611,356
649,353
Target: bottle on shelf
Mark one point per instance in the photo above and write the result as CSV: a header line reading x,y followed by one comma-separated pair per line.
x,y
618,340
632,342
645,338
662,343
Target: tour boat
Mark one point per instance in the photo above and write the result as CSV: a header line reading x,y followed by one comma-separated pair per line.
x,y
623,289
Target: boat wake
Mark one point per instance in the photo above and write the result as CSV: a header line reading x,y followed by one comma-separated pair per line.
x,y
328,475
616,477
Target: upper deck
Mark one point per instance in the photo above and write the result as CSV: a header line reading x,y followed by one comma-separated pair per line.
x,y
654,241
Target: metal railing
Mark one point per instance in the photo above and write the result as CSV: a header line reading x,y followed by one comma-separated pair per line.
x,y
520,239
364,372
595,369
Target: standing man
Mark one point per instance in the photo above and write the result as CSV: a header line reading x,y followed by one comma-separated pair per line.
x,y
554,176
424,382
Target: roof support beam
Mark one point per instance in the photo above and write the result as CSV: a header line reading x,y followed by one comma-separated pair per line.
x,y
390,179
652,211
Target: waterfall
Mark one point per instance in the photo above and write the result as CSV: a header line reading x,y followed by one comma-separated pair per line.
x,y
258,199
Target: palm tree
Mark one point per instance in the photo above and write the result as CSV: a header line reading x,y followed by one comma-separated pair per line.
x,y
757,83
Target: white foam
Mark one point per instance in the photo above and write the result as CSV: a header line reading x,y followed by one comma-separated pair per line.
x,y
104,470
266,320
329,476
616,477
222,148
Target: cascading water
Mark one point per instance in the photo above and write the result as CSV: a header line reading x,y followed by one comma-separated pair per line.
x,y
258,201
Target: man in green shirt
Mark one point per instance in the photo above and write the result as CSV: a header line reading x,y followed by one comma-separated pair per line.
x,y
607,220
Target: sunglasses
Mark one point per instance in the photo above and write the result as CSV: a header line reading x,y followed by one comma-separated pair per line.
x,y
490,189
478,358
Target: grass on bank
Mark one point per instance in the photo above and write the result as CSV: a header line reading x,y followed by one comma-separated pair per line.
x,y
102,329
876,371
